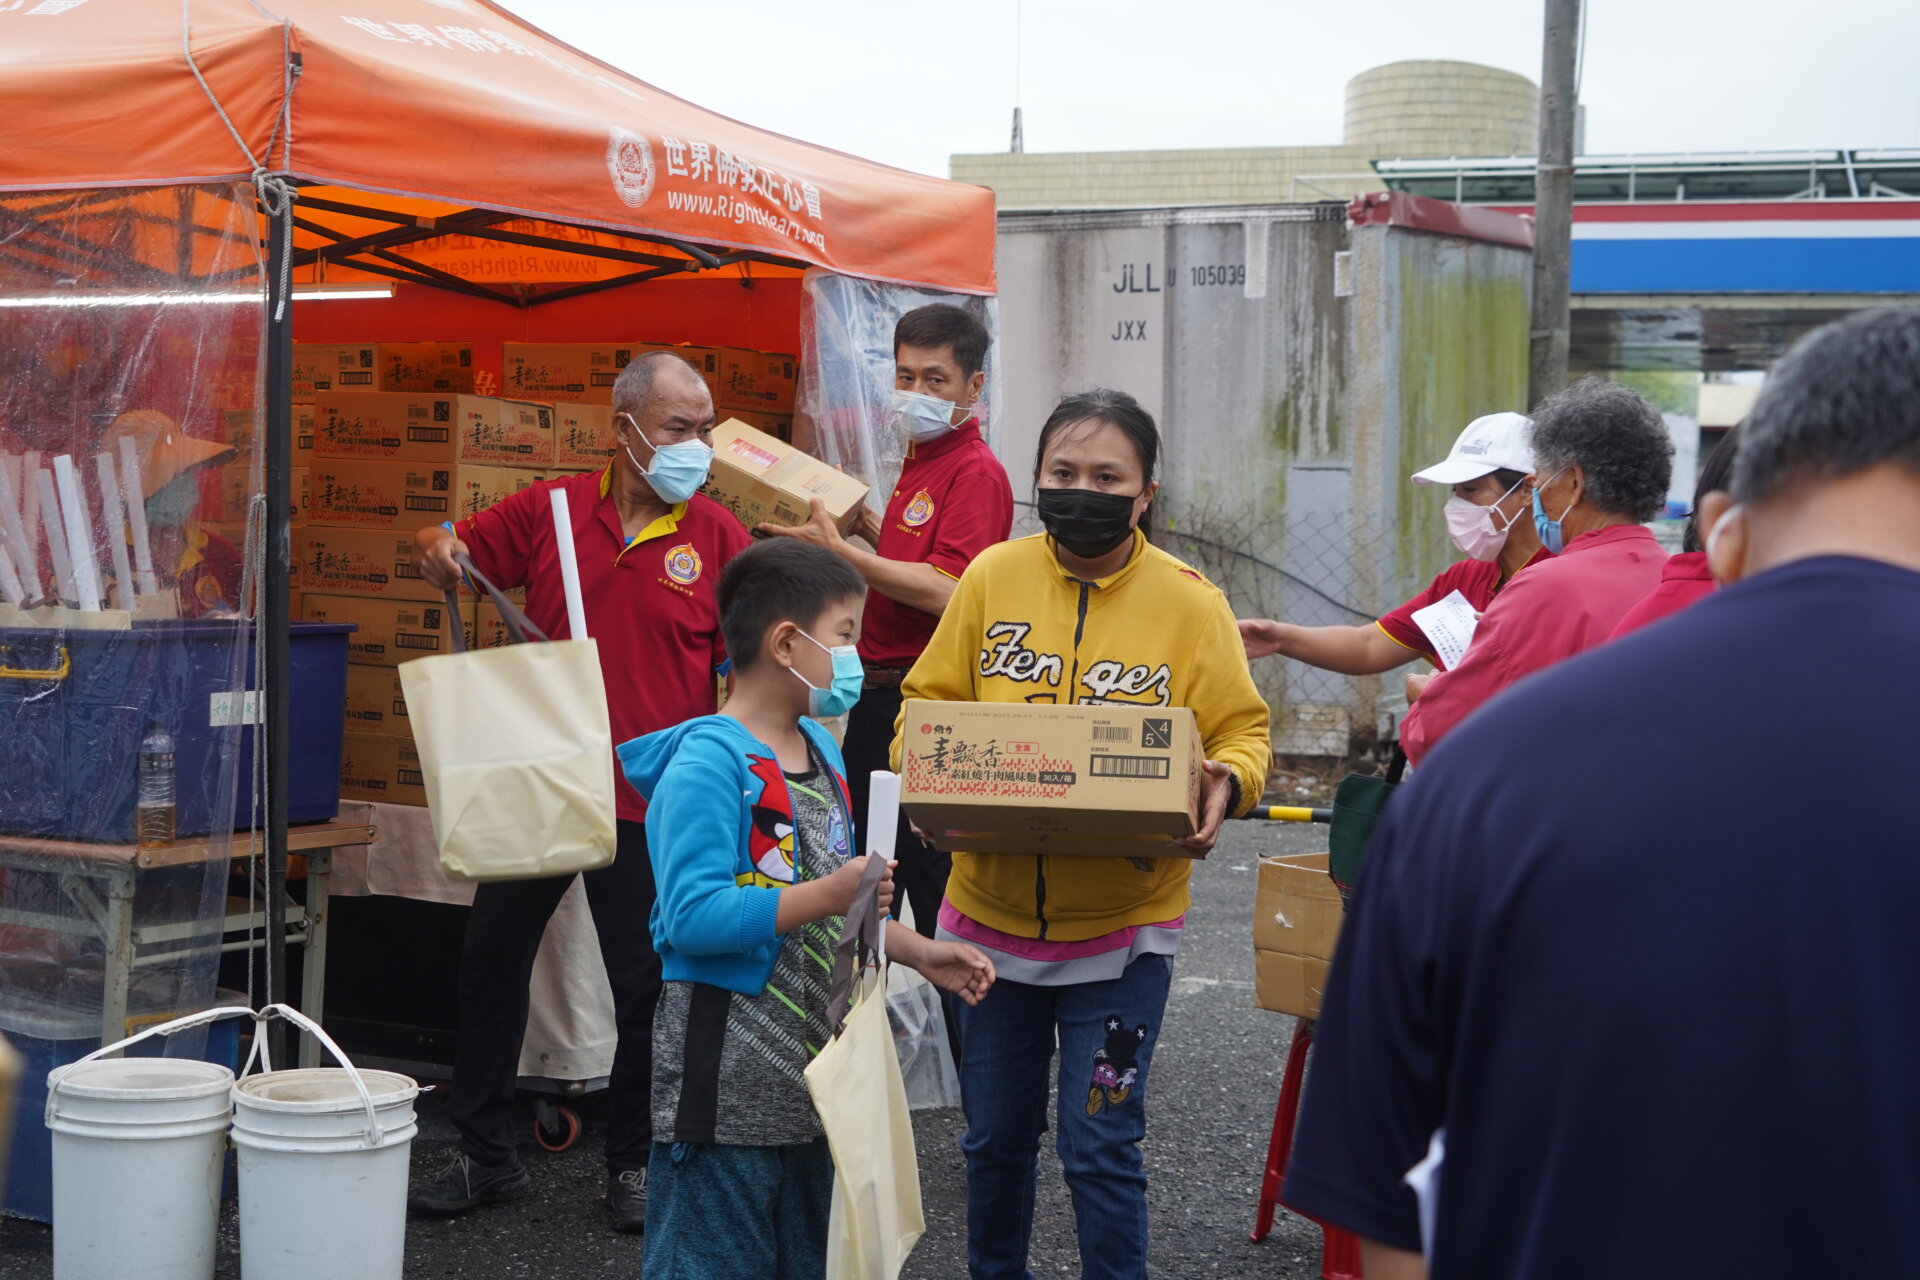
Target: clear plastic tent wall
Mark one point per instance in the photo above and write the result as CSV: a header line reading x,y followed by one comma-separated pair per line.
x,y
131,327
846,390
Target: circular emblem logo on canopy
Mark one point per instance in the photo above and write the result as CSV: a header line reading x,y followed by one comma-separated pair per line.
x,y
630,162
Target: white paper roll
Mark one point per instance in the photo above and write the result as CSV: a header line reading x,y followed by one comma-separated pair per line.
x,y
9,581
49,514
13,522
569,564
79,527
883,813
116,530
29,501
883,826
137,515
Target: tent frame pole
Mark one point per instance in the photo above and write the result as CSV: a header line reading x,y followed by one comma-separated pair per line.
x,y
273,610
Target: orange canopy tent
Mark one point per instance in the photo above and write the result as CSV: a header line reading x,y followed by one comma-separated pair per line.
x,y
437,143
409,122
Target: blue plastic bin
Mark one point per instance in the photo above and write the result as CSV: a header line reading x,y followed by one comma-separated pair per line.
x,y
46,1039
75,704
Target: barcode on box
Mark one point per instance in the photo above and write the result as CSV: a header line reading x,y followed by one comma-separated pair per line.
x,y
1127,767
1112,733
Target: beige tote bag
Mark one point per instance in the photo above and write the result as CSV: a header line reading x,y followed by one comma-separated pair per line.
x,y
516,750
856,1087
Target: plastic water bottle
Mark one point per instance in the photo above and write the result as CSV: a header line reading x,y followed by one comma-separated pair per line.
x,y
156,794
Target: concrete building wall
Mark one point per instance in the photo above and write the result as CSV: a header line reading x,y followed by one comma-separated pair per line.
x,y
1295,390
1147,179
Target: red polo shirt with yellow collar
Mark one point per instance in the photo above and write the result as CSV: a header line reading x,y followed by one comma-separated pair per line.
x,y
649,601
952,502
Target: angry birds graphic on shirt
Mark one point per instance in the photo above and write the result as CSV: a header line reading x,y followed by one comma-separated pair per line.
x,y
770,842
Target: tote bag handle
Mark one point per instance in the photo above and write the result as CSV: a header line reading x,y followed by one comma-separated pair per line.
x,y
519,626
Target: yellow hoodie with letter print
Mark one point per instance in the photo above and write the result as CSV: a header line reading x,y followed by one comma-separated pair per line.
x,y
1020,628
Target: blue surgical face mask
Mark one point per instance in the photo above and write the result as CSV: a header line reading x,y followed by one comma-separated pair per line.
x,y
678,470
925,417
848,677
1552,537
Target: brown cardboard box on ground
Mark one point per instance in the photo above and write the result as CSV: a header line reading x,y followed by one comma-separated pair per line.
x,y
358,494
582,436
361,562
425,366
376,708
760,479
1296,924
384,427
325,367
760,381
390,631
999,777
385,770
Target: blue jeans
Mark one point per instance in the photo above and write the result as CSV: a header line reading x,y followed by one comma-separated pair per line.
x,y
738,1213
1107,1032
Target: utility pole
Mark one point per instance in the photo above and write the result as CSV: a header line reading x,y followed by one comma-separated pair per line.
x,y
1553,201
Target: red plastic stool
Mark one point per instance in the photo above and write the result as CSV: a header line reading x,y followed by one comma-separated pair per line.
x,y
1339,1250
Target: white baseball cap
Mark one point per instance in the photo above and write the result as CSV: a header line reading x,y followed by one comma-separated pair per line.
x,y
1497,442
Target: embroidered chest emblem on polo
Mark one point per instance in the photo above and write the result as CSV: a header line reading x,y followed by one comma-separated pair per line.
x,y
919,511
683,564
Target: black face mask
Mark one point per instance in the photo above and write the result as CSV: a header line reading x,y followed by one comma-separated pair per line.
x,y
1085,521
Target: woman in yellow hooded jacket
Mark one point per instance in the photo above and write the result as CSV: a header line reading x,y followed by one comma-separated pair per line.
x,y
1089,612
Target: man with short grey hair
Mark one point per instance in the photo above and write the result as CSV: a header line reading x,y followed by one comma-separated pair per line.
x,y
1648,967
650,549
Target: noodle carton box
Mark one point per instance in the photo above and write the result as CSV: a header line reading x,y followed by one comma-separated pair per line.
x,y
425,366
385,770
376,707
370,494
763,481
504,433
386,427
582,436
1014,777
390,631
361,562
320,367
584,372
1296,923
759,381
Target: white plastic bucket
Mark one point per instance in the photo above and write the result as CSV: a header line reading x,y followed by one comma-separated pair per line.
x,y
323,1156
137,1149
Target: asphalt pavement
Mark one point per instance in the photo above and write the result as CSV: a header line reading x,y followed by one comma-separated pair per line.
x,y
1216,1074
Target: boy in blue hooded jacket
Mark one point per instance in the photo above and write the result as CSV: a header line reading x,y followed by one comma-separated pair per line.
x,y
750,831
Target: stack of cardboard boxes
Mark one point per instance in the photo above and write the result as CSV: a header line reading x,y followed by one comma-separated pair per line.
x,y
755,387
393,437
384,464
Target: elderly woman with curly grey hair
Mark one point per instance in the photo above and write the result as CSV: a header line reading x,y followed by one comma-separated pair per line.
x,y
1602,464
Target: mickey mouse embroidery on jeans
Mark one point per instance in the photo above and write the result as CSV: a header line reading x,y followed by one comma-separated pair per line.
x,y
1114,1066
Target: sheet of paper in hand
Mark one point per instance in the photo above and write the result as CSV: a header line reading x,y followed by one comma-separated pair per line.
x,y
1449,624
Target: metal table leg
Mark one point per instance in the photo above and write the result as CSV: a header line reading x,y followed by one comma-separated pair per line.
x,y
313,985
119,959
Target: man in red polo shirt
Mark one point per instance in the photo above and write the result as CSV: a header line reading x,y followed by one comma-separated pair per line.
x,y
650,550
952,502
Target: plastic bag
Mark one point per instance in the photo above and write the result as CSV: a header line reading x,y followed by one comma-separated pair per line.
x,y
920,1041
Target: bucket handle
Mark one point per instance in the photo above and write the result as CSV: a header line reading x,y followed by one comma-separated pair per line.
x,y
374,1132
191,1020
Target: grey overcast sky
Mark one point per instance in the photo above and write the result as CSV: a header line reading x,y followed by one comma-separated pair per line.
x,y
908,84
